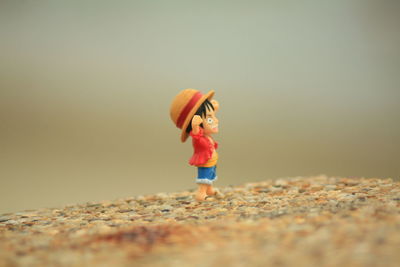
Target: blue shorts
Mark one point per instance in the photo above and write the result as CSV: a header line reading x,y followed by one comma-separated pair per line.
x,y
206,175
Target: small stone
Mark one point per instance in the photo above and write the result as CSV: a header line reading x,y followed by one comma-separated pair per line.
x,y
13,222
281,182
4,219
330,187
262,190
182,198
125,210
166,207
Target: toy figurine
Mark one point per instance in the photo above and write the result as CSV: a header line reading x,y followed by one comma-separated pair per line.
x,y
194,114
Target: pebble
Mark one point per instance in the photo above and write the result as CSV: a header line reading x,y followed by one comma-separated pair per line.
x,y
4,219
330,187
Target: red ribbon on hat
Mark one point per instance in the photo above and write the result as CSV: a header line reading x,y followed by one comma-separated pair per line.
x,y
185,111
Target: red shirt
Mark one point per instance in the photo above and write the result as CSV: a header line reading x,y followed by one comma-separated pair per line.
x,y
203,148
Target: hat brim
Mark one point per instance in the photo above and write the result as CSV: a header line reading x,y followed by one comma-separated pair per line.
x,y
189,117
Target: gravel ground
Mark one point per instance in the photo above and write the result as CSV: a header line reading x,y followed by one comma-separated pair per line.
x,y
299,221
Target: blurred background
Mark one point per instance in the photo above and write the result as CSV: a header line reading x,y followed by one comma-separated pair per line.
x,y
305,88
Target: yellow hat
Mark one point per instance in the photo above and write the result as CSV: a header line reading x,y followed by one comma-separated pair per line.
x,y
184,106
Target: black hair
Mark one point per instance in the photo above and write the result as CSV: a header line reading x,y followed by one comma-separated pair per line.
x,y
202,112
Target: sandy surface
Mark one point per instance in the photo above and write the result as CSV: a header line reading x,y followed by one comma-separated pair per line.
x,y
296,221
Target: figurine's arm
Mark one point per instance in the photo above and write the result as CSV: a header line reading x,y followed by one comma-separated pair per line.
x,y
215,104
196,121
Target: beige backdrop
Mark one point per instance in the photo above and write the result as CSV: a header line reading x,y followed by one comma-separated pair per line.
x,y
305,87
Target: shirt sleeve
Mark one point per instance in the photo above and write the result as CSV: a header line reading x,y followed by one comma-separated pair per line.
x,y
198,135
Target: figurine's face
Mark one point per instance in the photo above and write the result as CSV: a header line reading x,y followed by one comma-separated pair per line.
x,y
210,123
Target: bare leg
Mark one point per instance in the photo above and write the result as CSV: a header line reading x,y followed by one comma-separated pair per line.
x,y
201,192
210,190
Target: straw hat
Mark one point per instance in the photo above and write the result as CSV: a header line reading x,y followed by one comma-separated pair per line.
x,y
184,106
